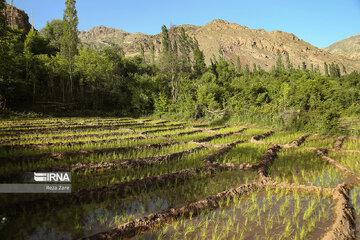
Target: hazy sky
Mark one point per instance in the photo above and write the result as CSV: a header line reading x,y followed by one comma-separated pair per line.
x,y
319,22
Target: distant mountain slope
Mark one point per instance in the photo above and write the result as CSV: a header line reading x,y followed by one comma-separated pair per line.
x,y
251,45
349,47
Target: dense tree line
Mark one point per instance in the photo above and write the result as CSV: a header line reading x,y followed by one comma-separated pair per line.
x,y
51,71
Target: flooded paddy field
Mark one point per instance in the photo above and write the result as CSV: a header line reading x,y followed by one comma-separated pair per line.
x,y
158,179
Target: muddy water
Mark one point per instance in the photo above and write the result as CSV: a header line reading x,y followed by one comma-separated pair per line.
x,y
260,216
81,220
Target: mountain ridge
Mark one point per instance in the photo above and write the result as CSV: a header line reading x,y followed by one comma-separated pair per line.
x,y
252,46
349,47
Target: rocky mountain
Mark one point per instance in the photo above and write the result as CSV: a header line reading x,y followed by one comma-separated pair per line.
x,y
349,47
251,45
19,19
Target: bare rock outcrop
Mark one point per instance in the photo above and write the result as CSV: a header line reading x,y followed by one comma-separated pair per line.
x,y
19,19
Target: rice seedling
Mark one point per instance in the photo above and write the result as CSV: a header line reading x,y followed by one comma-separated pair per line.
x,y
319,141
191,137
355,203
230,138
349,160
257,216
254,131
87,146
229,129
282,137
88,180
351,144
134,190
243,153
304,167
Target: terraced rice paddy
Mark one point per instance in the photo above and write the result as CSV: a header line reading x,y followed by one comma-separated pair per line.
x,y
157,179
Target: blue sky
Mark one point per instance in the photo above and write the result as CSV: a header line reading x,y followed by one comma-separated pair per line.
x,y
319,22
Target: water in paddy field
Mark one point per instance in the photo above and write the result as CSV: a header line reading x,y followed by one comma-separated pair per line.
x,y
327,180
355,203
260,217
82,220
79,220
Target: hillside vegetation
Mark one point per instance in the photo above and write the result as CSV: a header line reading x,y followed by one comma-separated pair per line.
x,y
54,73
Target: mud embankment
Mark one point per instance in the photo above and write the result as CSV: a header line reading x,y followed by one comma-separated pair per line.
x,y
261,136
338,143
206,139
321,154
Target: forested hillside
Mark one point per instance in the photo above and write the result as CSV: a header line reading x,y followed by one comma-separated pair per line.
x,y
50,71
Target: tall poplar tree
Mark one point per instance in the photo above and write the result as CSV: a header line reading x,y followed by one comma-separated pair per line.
x,y
279,64
326,69
69,42
169,60
199,59
288,62
238,65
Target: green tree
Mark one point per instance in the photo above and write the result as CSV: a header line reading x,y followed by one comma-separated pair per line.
x,y
247,69
53,32
199,59
3,54
69,42
142,51
288,62
304,67
337,69
152,52
326,69
165,40
238,65
29,56
279,64
344,70
170,62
